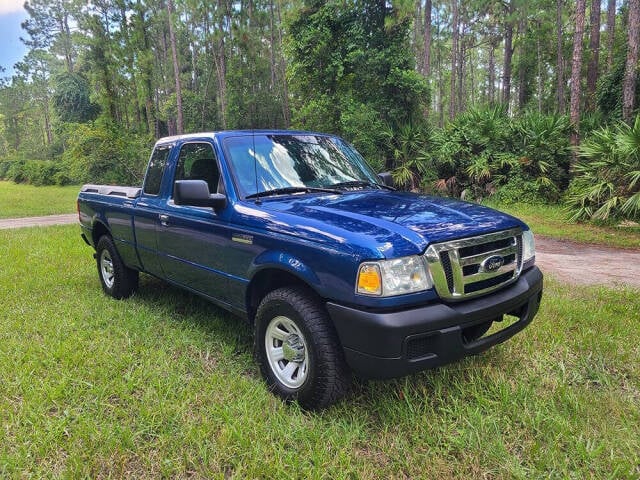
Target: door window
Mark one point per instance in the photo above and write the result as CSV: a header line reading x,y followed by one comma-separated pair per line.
x,y
197,162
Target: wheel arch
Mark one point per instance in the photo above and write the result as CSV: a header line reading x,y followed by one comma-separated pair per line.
x,y
269,279
98,230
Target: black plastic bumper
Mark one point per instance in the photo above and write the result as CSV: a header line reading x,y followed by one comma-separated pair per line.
x,y
392,344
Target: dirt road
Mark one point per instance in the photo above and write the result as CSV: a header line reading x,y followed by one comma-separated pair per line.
x,y
38,221
568,261
588,264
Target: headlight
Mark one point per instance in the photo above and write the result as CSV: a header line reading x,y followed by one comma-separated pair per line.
x,y
528,248
393,277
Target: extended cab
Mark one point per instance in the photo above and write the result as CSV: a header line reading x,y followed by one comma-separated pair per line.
x,y
336,270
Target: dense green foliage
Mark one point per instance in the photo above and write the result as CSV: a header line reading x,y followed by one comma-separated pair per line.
x,y
106,152
351,69
460,98
94,152
485,152
607,182
71,99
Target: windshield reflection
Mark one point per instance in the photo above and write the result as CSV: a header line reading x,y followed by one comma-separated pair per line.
x,y
262,163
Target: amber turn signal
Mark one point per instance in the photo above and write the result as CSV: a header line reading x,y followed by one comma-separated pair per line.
x,y
369,279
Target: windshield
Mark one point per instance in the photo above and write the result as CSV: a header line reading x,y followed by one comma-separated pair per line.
x,y
285,161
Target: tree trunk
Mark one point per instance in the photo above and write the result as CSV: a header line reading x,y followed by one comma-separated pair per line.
x,y
611,29
594,49
492,71
461,61
440,83
286,111
454,60
176,70
631,69
146,71
522,71
68,43
272,50
195,80
16,129
416,33
576,67
426,59
220,62
47,122
540,68
473,70
508,55
162,57
101,59
559,58
128,54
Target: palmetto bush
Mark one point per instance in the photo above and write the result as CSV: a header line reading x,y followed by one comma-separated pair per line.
x,y
541,173
484,152
474,153
543,147
606,185
409,147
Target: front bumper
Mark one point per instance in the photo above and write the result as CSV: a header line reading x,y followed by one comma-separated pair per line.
x,y
392,344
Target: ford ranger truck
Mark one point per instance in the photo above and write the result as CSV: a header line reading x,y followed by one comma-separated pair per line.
x,y
337,272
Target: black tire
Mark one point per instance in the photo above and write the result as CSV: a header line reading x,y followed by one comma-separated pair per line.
x,y
324,375
117,280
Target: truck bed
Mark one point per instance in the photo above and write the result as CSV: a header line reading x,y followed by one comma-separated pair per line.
x,y
115,190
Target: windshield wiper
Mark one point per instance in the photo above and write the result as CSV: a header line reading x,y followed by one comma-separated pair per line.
x,y
287,190
359,183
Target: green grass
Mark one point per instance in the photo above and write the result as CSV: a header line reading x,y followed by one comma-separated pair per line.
x,y
19,200
551,221
164,384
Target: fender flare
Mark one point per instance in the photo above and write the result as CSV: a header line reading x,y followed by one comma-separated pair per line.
x,y
279,260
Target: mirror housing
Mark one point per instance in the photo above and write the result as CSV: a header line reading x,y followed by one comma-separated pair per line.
x,y
387,179
196,193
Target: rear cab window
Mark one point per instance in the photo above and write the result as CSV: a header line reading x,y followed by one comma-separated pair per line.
x,y
155,170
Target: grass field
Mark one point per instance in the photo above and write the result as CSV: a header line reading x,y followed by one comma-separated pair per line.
x,y
551,221
19,200
163,384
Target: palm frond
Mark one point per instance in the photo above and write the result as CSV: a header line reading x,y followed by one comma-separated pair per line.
x,y
632,206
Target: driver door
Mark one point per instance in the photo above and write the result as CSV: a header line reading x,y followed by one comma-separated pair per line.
x,y
193,240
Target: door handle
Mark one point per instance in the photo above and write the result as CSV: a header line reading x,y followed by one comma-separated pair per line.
x,y
164,220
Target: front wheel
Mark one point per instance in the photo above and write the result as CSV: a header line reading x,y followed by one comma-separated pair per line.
x,y
298,350
116,278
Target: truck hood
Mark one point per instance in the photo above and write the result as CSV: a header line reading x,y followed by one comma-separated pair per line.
x,y
399,223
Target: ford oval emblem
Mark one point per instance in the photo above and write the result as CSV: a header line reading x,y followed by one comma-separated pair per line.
x,y
491,264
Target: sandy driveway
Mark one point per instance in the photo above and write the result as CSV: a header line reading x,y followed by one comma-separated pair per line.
x,y
567,261
588,264
38,221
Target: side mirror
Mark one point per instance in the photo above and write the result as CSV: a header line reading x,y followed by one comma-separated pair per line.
x,y
386,179
196,193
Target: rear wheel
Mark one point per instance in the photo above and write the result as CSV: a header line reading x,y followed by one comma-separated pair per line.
x,y
116,278
298,350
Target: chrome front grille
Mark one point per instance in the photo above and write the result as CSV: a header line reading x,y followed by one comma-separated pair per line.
x,y
474,266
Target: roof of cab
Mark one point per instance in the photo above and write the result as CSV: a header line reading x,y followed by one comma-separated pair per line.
x,y
233,133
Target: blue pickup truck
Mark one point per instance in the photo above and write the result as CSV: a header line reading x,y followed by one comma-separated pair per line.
x,y
337,272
